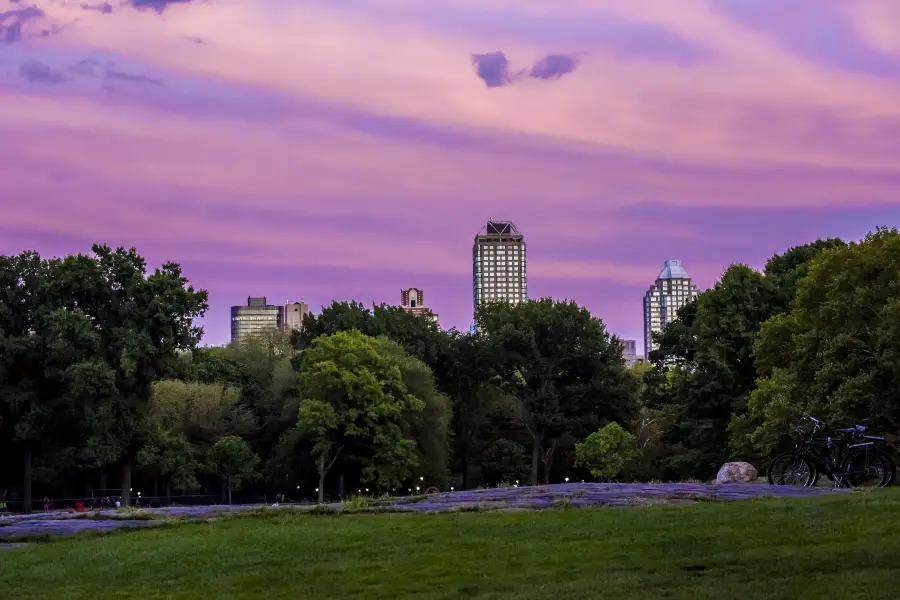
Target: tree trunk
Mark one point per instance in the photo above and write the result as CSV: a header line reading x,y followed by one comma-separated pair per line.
x,y
465,474
126,484
340,485
229,489
168,491
156,487
535,458
223,496
27,500
547,459
321,495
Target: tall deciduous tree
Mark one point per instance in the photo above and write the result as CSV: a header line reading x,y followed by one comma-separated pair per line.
x,y
836,354
431,426
564,368
464,368
143,321
353,397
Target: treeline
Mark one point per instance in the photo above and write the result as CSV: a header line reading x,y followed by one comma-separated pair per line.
x,y
102,383
816,331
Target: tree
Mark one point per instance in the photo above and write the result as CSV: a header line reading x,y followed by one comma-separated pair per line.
x,y
836,354
354,397
419,336
562,366
202,413
785,270
504,461
430,426
143,321
723,372
463,369
234,460
606,451
51,365
169,455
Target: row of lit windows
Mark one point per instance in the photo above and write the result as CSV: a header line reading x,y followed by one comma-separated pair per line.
x,y
268,318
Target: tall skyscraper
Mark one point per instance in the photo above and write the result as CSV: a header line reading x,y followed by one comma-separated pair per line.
x,y
672,290
412,300
257,316
294,313
498,264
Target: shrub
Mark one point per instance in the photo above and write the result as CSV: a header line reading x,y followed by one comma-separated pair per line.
x,y
605,451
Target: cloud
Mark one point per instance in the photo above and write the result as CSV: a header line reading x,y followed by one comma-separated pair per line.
x,y
12,23
493,68
113,73
104,7
554,66
38,72
157,5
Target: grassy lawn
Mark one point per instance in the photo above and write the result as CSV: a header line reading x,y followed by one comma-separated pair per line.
x,y
835,547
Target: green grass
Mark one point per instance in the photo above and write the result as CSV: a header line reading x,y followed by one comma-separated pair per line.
x,y
842,547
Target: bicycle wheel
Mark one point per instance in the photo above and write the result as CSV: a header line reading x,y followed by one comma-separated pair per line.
x,y
868,469
892,468
791,468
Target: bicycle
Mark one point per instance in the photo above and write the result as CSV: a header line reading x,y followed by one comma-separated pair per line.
x,y
848,457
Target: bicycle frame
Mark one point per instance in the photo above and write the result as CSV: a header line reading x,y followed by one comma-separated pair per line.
x,y
832,453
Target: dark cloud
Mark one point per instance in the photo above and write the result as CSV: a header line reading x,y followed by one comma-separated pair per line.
x,y
157,5
11,22
38,72
103,7
554,66
115,74
493,68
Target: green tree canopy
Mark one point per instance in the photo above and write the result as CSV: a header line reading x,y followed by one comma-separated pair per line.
x,y
233,459
836,353
353,396
430,426
606,451
562,366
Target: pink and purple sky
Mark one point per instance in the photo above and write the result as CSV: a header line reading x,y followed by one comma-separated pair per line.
x,y
345,149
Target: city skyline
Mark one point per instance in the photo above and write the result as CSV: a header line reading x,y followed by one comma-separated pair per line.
x,y
349,149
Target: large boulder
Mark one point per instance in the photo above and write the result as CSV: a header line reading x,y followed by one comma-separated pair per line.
x,y
737,472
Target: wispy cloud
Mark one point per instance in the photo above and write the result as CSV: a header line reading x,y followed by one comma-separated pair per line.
x,y
38,72
345,145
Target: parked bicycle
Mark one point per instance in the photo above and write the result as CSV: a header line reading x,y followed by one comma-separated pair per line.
x,y
848,457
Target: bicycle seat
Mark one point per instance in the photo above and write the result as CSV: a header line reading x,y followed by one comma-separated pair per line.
x,y
854,429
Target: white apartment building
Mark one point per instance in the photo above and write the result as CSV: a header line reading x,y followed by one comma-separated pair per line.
x,y
672,290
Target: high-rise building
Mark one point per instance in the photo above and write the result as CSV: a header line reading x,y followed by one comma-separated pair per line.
x,y
412,300
629,353
672,290
294,313
498,264
257,316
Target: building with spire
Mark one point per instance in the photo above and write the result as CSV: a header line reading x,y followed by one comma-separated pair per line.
x,y
498,264
672,290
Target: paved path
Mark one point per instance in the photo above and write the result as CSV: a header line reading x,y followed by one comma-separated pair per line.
x,y
517,498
